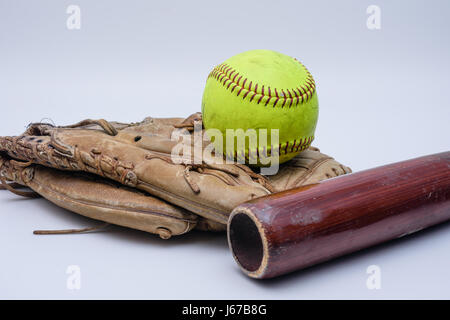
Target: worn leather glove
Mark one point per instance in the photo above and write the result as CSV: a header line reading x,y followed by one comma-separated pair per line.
x,y
124,174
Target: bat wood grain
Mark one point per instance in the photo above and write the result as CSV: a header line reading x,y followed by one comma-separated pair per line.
x,y
294,229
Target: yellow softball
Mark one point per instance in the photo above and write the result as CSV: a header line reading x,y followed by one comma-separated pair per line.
x,y
261,89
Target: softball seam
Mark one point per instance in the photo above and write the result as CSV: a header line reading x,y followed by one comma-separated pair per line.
x,y
233,81
283,149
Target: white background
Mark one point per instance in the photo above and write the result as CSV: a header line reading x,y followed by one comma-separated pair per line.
x,y
384,97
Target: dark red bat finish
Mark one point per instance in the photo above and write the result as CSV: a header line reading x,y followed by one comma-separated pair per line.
x,y
291,230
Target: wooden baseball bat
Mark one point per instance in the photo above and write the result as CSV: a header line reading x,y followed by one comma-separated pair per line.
x,y
294,229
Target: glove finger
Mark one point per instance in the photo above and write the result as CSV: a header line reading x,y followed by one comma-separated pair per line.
x,y
309,166
102,199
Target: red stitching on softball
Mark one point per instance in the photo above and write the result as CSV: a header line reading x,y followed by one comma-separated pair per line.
x,y
299,144
259,100
275,102
290,95
301,94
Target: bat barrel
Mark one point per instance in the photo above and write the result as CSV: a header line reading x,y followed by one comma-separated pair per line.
x,y
294,229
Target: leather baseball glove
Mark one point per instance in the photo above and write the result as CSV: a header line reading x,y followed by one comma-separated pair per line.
x,y
125,174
